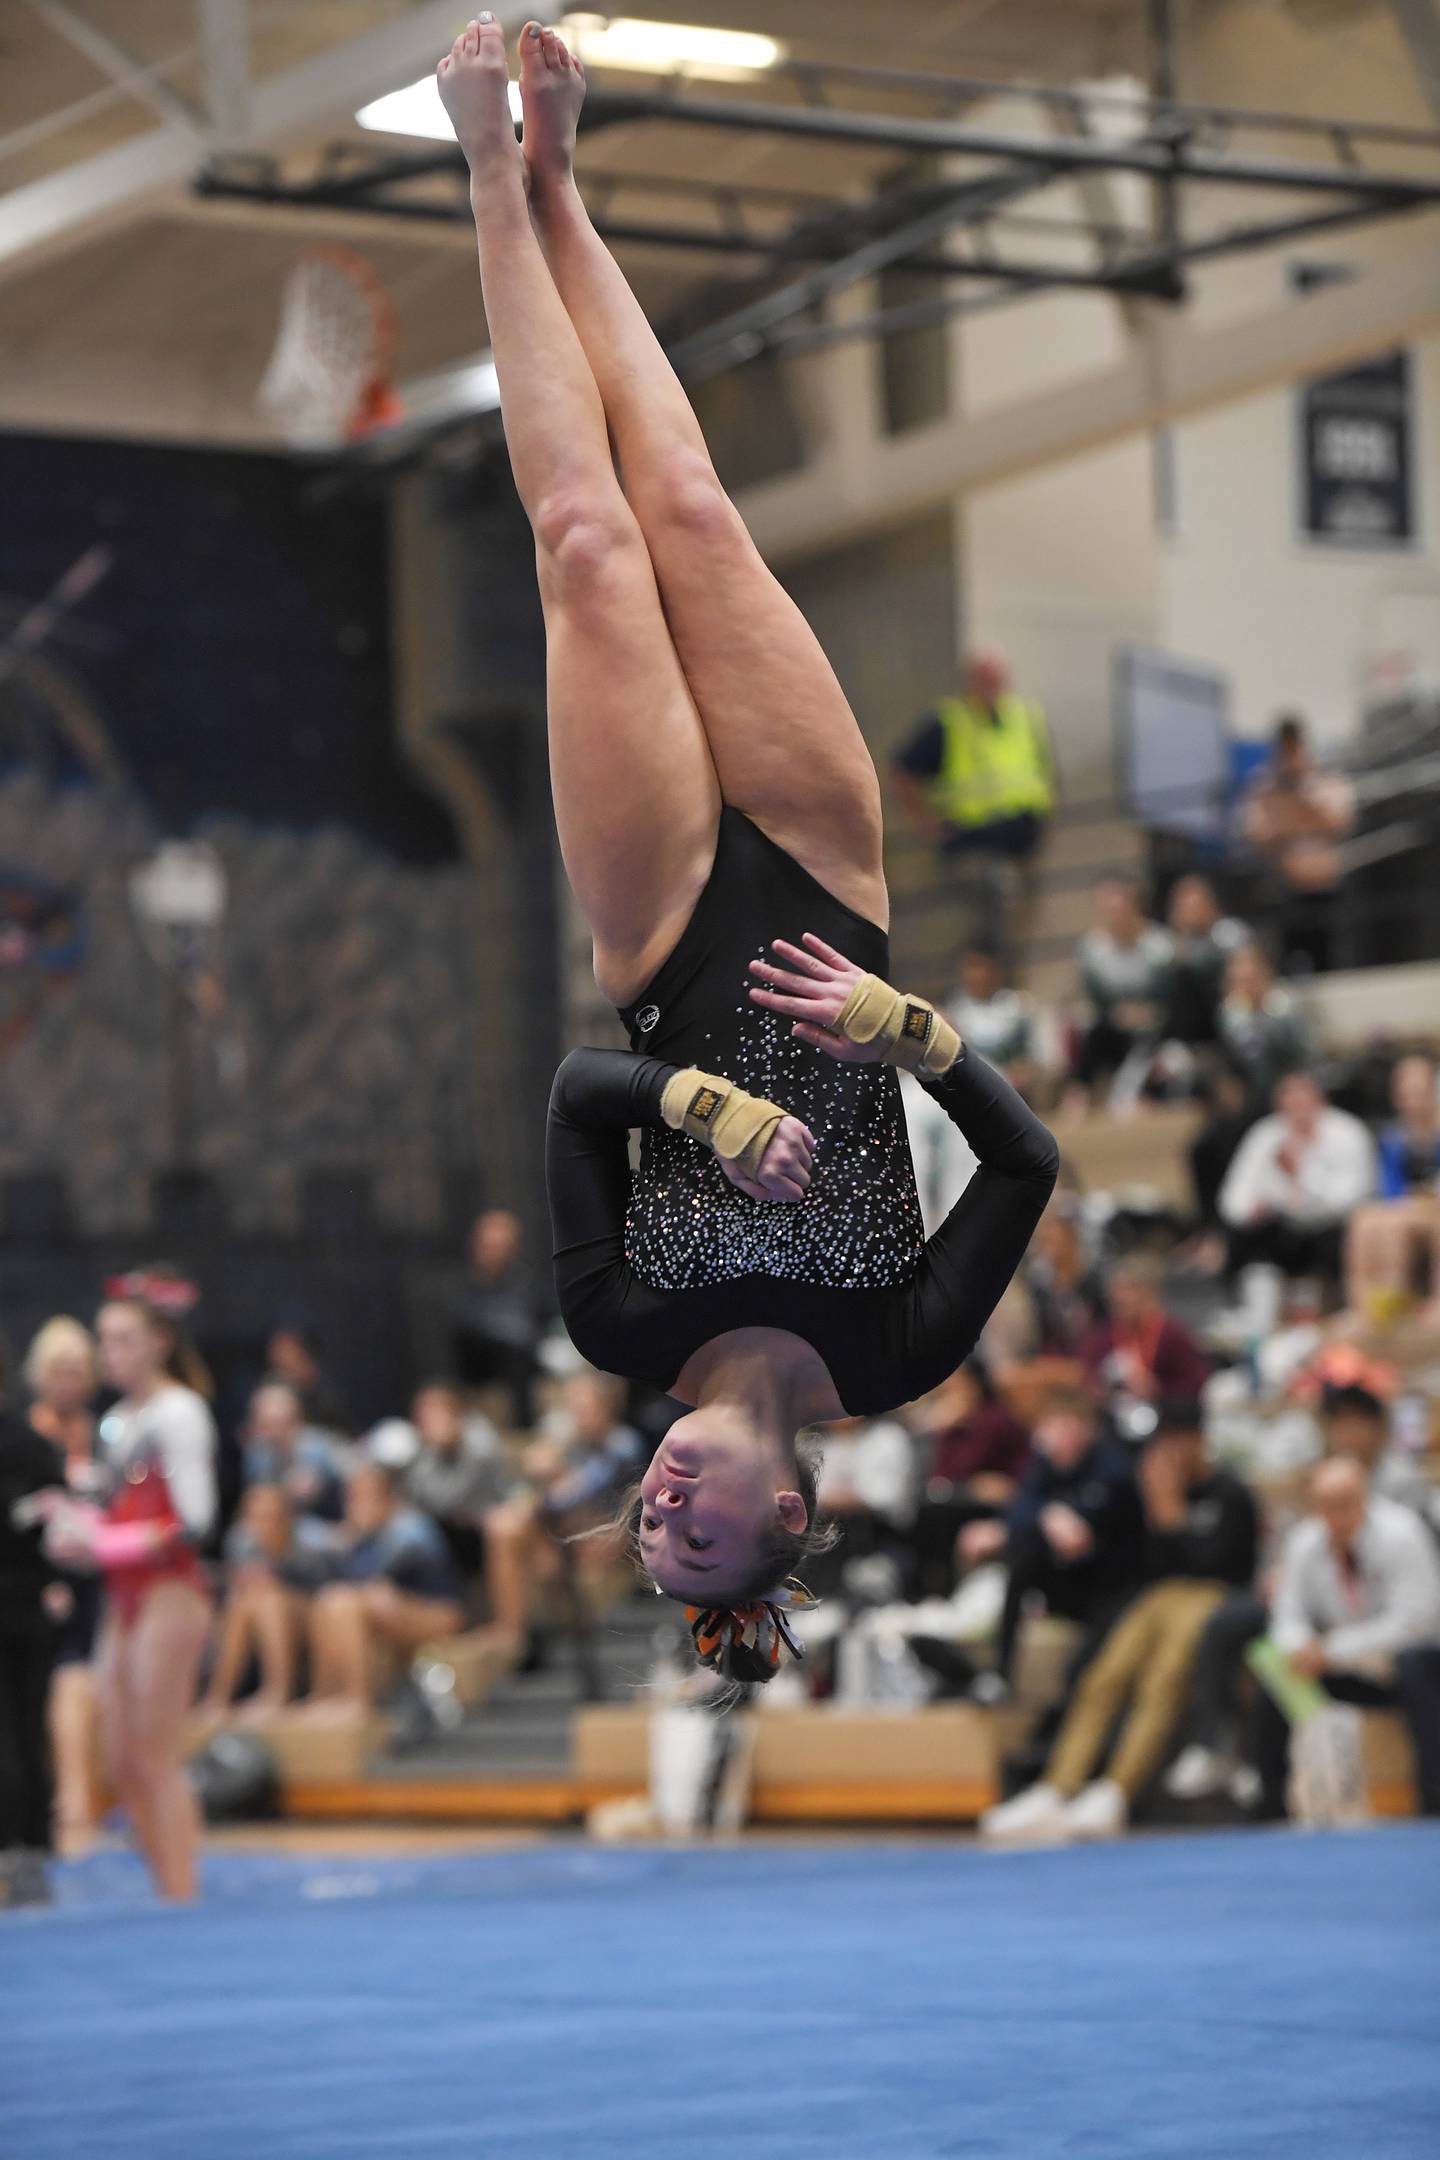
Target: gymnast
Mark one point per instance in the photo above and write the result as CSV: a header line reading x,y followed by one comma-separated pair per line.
x,y
715,800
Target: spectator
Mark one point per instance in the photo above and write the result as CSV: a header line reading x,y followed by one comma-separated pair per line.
x,y
1296,1177
1125,964
1070,1537
292,1354
460,1473
396,1590
1066,1289
1201,1536
1391,1239
496,1328
1229,1115
1357,1426
1141,1355
1357,1608
1262,1025
979,1453
588,1468
62,1373
996,1020
29,1464
976,773
867,1483
281,1449
572,1516
1203,940
275,1559
461,1476
1296,816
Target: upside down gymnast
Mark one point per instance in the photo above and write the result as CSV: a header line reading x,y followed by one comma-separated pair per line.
x,y
716,804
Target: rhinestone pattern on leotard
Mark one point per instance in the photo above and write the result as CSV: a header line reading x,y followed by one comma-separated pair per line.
x,y
859,1226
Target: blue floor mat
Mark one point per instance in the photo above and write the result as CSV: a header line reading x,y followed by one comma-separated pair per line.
x,y
1226,1996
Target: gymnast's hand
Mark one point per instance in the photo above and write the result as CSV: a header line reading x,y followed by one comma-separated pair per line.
x,y
784,1168
812,989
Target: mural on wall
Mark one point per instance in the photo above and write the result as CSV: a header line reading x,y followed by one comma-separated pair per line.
x,y
234,930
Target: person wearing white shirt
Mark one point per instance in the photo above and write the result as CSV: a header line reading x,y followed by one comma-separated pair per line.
x,y
1357,1608
1295,1178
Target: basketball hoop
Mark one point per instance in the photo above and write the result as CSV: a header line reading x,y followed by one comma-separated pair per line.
x,y
328,380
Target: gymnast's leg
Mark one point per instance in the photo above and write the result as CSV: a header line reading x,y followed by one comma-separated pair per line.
x,y
637,801
785,743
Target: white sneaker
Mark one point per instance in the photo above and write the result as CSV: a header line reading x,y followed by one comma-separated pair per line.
x,y
1244,1787
1034,1817
1101,1811
1198,1773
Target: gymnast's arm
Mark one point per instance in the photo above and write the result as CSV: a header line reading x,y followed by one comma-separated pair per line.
x,y
968,1263
598,1096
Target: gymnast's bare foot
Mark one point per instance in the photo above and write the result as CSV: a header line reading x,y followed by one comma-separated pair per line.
x,y
474,81
552,84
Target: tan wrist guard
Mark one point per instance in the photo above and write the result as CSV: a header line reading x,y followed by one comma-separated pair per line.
x,y
909,1029
736,1126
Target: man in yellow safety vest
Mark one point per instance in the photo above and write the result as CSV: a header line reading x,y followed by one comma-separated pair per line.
x,y
976,773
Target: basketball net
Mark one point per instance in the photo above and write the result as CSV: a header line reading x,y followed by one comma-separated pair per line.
x,y
328,380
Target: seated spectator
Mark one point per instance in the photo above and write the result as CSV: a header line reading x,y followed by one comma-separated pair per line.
x,y
460,1473
496,1327
1296,1177
1262,1026
1357,1608
1357,1425
570,1525
1125,967
1229,1115
1295,816
396,1589
1141,1355
1067,1290
595,1455
1201,1537
280,1448
292,1354
997,1021
1203,940
1070,1538
1394,1241
867,1486
274,1560
979,1453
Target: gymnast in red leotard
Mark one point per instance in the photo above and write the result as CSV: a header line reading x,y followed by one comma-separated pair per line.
x,y
157,1464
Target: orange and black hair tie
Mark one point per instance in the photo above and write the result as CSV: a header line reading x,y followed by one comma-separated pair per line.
x,y
763,1627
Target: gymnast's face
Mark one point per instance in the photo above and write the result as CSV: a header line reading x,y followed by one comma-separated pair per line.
x,y
709,1496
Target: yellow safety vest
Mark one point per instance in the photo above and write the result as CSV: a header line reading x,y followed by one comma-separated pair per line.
x,y
992,767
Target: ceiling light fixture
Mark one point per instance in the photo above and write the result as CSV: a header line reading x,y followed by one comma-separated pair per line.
x,y
417,110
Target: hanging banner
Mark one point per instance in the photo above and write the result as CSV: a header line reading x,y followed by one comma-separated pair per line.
x,y
1356,433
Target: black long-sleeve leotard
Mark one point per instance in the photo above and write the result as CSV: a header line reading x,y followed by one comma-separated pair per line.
x,y
882,1347
650,1267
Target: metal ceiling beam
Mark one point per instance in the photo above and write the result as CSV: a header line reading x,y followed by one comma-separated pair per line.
x,y
1152,160
349,195
124,70
71,206
1141,275
745,332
